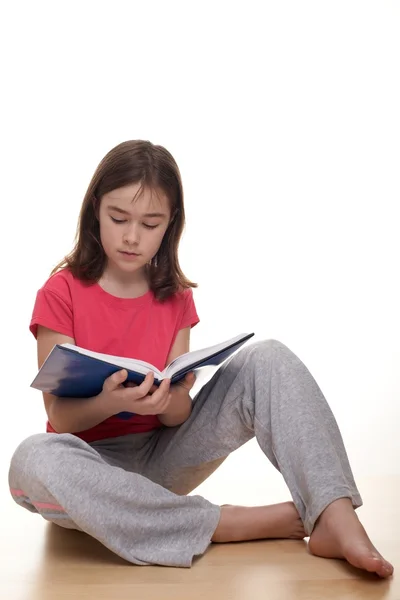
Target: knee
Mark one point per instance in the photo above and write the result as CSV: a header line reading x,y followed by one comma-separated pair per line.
x,y
268,351
267,348
36,452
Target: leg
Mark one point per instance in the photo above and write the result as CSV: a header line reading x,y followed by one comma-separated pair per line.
x,y
266,391
137,453
68,482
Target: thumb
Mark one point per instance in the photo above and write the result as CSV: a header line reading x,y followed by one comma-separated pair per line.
x,y
190,379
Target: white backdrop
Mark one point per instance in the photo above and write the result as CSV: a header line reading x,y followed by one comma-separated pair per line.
x,y
284,120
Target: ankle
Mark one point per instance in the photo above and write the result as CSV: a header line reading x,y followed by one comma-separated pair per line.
x,y
232,524
341,505
337,511
221,533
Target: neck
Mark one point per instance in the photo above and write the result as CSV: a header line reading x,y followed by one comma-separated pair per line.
x,y
124,285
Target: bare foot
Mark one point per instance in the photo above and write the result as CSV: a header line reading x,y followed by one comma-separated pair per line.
x,y
339,534
240,523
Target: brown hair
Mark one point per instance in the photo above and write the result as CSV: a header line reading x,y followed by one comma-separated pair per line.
x,y
154,167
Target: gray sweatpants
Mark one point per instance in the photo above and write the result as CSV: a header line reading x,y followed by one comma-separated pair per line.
x,y
130,492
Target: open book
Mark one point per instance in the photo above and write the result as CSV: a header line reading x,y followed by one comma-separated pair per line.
x,y
74,372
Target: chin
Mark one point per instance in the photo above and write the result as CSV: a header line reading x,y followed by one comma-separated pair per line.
x,y
127,268
120,264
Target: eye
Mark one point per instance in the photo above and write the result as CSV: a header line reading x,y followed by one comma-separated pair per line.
x,y
149,226
117,220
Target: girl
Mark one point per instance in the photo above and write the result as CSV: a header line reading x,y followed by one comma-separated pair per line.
x,y
126,482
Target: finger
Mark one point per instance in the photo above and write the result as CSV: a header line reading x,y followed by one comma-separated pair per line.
x,y
138,391
162,390
151,407
116,379
167,383
190,379
162,408
161,393
146,384
145,403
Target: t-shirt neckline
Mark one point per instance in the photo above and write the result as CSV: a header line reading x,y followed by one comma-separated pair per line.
x,y
119,302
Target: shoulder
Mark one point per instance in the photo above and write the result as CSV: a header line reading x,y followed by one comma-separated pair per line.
x,y
181,298
62,283
183,307
62,287
54,306
185,294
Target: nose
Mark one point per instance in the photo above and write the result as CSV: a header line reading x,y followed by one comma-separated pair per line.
x,y
131,235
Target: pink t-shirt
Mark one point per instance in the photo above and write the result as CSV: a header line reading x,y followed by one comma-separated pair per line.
x,y
141,328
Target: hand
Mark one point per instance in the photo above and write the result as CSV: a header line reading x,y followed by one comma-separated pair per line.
x,y
180,407
187,383
143,399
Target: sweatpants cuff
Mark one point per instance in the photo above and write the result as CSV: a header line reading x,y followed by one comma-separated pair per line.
x,y
203,538
315,510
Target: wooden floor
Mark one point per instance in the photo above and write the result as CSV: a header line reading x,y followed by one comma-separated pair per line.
x,y
40,561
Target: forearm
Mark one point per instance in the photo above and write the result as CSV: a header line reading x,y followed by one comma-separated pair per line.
x,y
179,409
71,415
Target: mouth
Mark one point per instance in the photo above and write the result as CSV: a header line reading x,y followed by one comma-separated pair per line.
x,y
131,254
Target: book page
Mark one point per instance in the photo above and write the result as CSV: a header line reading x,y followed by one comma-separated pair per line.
x,y
185,360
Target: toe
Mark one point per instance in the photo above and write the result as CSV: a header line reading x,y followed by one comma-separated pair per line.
x,y
386,570
377,565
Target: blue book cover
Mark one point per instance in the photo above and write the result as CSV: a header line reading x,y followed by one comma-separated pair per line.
x,y
73,372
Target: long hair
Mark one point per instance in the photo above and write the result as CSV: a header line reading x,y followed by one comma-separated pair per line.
x,y
134,161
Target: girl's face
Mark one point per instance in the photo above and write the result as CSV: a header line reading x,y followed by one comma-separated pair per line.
x,y
131,232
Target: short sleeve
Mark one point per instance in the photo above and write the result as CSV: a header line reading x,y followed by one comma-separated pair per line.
x,y
53,309
190,317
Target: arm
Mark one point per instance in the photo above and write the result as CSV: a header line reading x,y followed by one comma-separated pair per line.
x,y
66,415
180,406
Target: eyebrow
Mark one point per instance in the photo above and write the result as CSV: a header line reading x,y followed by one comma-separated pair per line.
x,y
125,212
